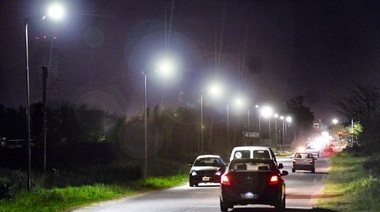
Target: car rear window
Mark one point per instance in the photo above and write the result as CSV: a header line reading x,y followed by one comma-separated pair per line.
x,y
261,154
251,166
206,162
242,154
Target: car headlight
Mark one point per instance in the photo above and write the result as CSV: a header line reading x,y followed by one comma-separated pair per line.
x,y
193,173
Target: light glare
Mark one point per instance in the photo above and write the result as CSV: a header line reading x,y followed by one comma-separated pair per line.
x,y
56,12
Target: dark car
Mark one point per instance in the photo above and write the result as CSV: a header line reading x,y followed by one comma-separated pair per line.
x,y
252,181
303,161
206,169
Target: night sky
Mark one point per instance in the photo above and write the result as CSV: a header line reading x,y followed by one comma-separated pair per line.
x,y
268,51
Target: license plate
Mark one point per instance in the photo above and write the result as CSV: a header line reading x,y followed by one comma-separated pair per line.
x,y
249,195
206,178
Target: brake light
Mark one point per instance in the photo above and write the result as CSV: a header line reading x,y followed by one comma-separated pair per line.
x,y
273,180
224,180
294,161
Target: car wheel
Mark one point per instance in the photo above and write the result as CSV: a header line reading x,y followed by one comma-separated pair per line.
x,y
193,183
223,207
280,205
293,170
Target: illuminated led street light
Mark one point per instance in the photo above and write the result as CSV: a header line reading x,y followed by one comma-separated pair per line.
x,y
56,12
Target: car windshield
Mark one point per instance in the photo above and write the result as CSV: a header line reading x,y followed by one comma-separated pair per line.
x,y
303,155
252,165
207,162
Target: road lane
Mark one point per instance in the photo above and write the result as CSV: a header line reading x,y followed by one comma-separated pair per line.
x,y
302,188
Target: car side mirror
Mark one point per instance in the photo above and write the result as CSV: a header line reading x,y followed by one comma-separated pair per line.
x,y
284,173
280,166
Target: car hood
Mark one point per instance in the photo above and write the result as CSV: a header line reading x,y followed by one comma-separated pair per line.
x,y
204,168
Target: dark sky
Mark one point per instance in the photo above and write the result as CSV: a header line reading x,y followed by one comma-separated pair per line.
x,y
270,51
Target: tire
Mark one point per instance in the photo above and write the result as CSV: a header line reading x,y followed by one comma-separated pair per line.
x,y
281,204
193,183
293,170
223,207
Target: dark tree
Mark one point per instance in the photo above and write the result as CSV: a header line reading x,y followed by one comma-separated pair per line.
x,y
302,116
362,106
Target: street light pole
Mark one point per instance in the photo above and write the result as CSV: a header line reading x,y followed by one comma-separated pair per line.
x,y
228,129
276,120
145,129
270,135
201,123
249,141
259,130
28,103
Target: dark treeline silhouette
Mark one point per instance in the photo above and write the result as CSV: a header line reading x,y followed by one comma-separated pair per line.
x,y
79,136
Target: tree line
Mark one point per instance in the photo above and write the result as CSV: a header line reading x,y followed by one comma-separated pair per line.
x,y
173,133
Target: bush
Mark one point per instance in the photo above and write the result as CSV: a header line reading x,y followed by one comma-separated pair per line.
x,y
372,166
113,173
11,183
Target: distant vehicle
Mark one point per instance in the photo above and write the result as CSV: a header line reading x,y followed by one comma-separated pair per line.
x,y
303,161
253,152
313,150
206,169
328,147
252,181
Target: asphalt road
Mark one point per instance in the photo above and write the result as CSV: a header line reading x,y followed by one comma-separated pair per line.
x,y
302,188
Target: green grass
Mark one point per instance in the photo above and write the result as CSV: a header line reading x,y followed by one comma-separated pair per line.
x,y
352,184
349,187
59,199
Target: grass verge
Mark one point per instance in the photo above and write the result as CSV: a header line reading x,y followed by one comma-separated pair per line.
x,y
61,199
349,186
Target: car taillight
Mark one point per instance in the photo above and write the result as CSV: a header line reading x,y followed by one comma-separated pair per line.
x,y
224,180
311,161
294,161
273,180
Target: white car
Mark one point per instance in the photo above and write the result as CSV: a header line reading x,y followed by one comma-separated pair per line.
x,y
253,152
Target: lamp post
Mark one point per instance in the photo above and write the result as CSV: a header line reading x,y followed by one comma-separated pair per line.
x,y
248,127
288,119
165,66
216,90
201,123
267,112
55,12
275,123
28,103
259,117
145,129
283,131
228,129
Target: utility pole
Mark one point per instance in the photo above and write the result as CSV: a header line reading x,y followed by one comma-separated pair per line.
x,y
44,107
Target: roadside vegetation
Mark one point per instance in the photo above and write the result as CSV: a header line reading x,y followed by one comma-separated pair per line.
x,y
95,156
64,191
352,183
